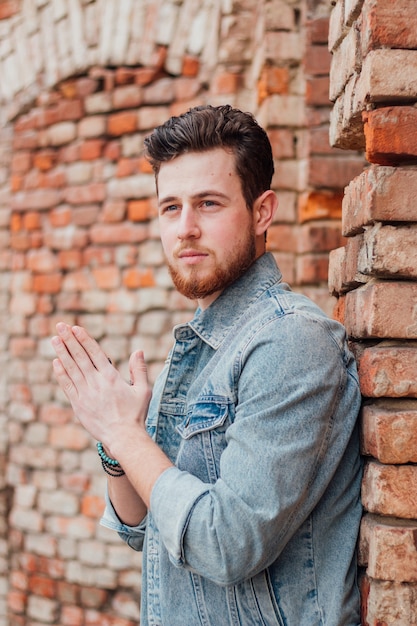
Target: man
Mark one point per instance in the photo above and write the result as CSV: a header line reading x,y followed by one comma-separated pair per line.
x,y
243,487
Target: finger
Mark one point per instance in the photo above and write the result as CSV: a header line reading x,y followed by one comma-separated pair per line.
x,y
138,369
66,360
74,348
64,380
96,355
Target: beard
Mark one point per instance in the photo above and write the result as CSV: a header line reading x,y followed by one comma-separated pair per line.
x,y
195,287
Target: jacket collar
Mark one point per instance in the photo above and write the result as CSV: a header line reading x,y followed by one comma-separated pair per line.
x,y
213,324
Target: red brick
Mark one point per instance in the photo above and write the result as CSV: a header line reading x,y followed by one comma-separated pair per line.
x,y
319,237
47,283
55,568
60,216
16,222
16,600
334,171
32,220
122,123
273,80
380,193
42,586
370,313
21,162
70,110
388,371
20,241
317,91
16,183
282,142
91,149
9,8
390,134
318,30
320,205
112,150
124,75
127,167
69,154
226,83
92,506
114,211
140,210
387,24
312,268
69,259
317,61
190,66
106,277
134,278
67,593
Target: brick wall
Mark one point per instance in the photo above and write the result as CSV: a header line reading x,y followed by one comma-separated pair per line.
x,y
373,84
81,84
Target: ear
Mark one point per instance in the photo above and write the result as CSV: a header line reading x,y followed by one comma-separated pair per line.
x,y
264,210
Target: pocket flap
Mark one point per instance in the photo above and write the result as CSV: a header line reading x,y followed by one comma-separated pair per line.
x,y
206,414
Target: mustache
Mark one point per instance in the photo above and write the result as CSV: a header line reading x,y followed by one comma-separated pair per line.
x,y
190,248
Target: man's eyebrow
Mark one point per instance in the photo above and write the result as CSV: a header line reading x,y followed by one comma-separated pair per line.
x,y
201,194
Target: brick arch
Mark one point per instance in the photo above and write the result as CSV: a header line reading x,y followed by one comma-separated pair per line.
x,y
47,44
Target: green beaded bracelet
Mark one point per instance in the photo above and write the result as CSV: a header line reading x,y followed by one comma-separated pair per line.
x,y
110,466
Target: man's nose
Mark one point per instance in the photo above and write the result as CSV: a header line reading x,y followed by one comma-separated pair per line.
x,y
188,226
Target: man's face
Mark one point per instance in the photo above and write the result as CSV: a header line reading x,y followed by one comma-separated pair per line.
x,y
206,228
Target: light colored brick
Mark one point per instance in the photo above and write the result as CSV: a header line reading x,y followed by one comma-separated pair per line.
x,y
388,370
389,431
369,311
380,194
386,602
389,490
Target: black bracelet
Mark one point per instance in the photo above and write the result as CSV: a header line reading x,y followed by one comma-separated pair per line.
x,y
110,466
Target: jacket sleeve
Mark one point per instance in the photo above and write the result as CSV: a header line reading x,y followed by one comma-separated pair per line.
x,y
132,535
298,400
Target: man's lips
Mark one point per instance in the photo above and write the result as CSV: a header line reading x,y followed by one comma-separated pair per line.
x,y
191,256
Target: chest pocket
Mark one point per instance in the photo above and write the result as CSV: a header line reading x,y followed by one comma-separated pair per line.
x,y
203,437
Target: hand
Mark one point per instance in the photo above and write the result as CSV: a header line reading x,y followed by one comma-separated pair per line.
x,y
104,403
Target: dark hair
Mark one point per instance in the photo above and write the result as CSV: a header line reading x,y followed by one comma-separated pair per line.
x,y
206,127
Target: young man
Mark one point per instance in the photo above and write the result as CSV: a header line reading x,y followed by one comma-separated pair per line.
x,y
242,488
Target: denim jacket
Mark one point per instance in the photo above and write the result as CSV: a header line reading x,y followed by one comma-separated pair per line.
x,y
256,525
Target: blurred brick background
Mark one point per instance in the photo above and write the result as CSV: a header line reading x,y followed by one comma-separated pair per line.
x,y
81,84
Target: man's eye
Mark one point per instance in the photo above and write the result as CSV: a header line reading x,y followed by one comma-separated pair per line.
x,y
170,208
209,203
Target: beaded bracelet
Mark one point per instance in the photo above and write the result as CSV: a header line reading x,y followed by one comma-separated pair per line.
x,y
110,466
